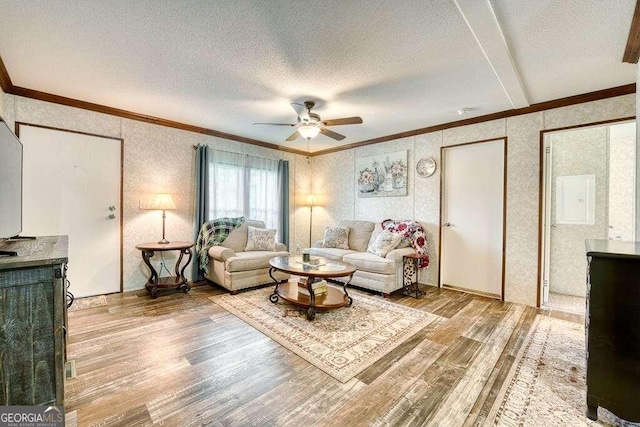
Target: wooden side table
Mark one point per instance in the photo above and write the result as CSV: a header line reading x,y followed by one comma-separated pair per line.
x,y
179,281
410,273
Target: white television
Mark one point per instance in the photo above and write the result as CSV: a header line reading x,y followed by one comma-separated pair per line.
x,y
10,183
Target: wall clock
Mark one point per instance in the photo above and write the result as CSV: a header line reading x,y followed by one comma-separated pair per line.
x,y
426,167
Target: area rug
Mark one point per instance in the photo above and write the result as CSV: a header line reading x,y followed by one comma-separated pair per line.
x,y
547,383
88,302
340,342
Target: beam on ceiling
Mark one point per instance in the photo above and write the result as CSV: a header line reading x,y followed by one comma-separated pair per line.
x,y
483,24
632,50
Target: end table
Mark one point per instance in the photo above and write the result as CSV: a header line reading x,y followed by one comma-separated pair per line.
x,y
179,281
410,272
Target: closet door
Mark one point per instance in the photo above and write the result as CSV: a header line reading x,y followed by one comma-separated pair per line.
x,y
472,229
71,186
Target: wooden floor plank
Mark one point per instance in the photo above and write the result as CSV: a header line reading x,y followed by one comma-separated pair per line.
x,y
183,360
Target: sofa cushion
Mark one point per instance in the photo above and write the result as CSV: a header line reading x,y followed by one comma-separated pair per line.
x,y
384,243
366,261
237,239
260,239
253,260
359,233
331,253
336,237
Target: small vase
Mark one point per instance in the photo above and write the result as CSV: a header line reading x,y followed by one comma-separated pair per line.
x,y
398,181
388,182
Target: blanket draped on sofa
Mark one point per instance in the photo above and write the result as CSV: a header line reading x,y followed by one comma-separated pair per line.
x,y
413,231
213,233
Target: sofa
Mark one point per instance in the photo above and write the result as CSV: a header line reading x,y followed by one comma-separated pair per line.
x,y
380,274
233,268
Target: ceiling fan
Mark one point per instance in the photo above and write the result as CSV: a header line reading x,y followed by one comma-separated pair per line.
x,y
310,124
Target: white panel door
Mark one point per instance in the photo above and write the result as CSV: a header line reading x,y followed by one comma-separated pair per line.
x,y
72,186
472,217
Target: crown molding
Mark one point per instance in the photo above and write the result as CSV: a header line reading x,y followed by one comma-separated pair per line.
x,y
8,87
533,108
5,80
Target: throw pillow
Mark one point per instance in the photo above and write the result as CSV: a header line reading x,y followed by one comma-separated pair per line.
x,y
384,243
337,237
260,239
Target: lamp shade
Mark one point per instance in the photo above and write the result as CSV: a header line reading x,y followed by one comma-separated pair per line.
x,y
163,202
309,131
311,200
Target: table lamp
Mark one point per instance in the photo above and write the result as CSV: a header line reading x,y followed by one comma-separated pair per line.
x,y
163,202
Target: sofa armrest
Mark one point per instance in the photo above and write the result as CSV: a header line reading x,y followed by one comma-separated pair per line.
x,y
221,253
397,254
280,247
317,244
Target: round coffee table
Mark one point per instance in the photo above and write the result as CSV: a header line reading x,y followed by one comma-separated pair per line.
x,y
326,269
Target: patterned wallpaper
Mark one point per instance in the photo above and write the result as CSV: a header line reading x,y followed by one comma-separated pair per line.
x,y
162,158
156,159
577,152
335,174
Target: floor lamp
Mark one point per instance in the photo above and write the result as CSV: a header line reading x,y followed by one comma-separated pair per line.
x,y
311,200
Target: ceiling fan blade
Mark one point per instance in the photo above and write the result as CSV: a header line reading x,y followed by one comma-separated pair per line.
x,y
332,134
301,111
293,136
345,121
275,124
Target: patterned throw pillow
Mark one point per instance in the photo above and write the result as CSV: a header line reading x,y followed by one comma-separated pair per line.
x,y
384,243
260,239
337,237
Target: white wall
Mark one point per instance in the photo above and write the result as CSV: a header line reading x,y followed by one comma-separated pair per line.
x,y
334,178
622,154
156,159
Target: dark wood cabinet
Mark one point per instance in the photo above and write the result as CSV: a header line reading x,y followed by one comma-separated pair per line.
x,y
613,328
32,319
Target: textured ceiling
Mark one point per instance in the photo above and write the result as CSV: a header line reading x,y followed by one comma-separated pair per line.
x,y
399,65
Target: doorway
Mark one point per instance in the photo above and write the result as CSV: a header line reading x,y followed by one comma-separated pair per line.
x,y
588,193
473,217
72,186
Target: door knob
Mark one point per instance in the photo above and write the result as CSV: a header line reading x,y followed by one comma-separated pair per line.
x,y
447,224
112,216
112,208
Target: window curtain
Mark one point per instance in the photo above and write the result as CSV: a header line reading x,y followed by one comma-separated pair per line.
x,y
250,186
283,192
202,200
227,185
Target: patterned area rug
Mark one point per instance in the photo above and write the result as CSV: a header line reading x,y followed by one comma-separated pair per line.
x,y
88,302
547,383
341,342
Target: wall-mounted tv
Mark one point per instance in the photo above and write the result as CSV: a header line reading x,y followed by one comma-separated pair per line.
x,y
10,183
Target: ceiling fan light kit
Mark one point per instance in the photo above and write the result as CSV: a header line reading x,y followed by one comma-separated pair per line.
x,y
311,124
309,131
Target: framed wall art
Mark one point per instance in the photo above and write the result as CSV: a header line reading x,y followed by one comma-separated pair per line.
x,y
382,175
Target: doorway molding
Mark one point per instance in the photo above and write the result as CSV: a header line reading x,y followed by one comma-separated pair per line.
x,y
121,223
541,229
504,206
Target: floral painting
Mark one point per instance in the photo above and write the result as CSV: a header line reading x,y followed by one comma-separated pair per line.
x,y
382,175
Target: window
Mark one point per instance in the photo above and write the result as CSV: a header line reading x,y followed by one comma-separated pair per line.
x,y
244,185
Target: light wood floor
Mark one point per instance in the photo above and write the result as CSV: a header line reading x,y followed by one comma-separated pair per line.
x,y
182,360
